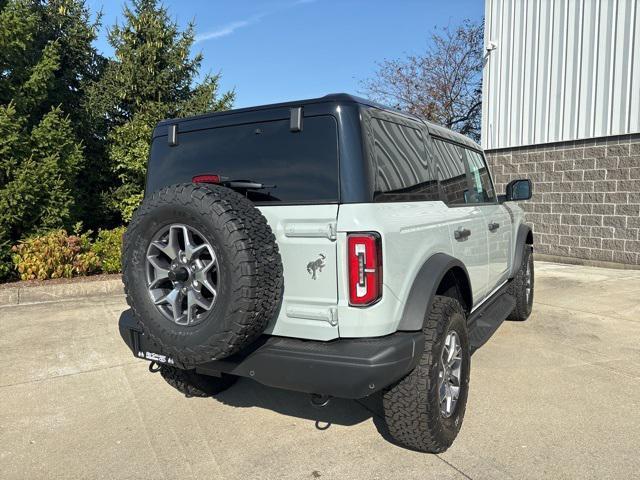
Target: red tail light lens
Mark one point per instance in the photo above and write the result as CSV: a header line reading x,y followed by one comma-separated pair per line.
x,y
365,268
206,179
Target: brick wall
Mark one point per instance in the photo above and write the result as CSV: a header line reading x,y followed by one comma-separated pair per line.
x,y
586,201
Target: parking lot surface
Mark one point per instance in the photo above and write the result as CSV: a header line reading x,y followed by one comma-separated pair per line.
x,y
557,396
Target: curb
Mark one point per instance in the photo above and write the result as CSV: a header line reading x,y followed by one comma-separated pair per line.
x,y
23,295
583,262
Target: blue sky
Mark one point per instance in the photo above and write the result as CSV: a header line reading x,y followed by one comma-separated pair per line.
x,y
279,50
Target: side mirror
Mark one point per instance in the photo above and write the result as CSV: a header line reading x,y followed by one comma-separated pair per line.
x,y
518,190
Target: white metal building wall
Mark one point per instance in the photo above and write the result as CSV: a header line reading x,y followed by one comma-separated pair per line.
x,y
562,70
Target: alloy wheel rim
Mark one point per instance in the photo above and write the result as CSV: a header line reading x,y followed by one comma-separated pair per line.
x,y
450,374
182,274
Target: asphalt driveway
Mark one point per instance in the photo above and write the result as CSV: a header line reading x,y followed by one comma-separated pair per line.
x,y
557,396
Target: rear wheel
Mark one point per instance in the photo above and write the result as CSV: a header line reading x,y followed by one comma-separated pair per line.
x,y
193,384
522,287
424,410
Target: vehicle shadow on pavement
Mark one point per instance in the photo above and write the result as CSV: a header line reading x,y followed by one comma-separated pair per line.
x,y
249,394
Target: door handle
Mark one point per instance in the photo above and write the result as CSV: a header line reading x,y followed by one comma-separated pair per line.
x,y
461,233
493,226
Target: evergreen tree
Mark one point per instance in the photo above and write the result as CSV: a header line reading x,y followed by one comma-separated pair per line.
x,y
41,152
46,63
151,77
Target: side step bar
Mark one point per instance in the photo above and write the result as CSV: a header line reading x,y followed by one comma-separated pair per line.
x,y
485,321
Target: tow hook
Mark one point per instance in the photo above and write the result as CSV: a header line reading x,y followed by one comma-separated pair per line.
x,y
319,401
154,367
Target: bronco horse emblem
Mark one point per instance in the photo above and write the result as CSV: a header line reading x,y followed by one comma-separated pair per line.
x,y
316,266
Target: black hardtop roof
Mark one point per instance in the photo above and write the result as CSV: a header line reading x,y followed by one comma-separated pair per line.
x,y
339,98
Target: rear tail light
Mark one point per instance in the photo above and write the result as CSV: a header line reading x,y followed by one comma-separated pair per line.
x,y
365,268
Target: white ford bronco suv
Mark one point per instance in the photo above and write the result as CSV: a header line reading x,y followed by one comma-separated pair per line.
x,y
330,246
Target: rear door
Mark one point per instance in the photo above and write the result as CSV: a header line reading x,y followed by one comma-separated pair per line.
x,y
497,219
467,224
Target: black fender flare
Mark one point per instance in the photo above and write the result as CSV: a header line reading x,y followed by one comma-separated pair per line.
x,y
524,232
424,288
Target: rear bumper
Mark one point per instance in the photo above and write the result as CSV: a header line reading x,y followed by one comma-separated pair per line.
x,y
345,368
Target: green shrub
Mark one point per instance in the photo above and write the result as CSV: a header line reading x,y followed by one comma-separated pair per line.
x,y
6,267
108,248
54,255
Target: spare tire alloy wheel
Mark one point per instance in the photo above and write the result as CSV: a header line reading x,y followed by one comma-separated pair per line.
x,y
182,274
202,272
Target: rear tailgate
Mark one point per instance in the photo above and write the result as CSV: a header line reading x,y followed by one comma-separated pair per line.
x,y
306,238
298,174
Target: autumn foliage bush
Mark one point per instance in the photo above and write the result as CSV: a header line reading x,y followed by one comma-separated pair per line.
x,y
55,255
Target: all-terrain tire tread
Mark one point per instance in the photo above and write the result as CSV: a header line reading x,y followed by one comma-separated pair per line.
x,y
255,259
192,384
517,289
410,417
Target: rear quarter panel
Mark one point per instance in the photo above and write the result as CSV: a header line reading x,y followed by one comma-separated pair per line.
x,y
411,233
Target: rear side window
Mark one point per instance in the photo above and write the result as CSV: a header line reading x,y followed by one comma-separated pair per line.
x,y
295,167
483,189
464,177
454,181
403,171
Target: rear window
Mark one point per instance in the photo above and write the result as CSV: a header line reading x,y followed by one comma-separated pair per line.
x,y
403,170
300,167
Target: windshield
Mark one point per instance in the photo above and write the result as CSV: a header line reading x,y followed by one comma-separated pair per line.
x,y
289,167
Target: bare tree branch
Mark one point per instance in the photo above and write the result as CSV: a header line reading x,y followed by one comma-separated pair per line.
x,y
442,85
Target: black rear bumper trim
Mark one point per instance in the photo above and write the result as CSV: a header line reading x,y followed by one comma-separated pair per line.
x,y
345,368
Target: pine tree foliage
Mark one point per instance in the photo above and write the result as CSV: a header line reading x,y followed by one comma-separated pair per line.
x,y
153,76
46,63
75,127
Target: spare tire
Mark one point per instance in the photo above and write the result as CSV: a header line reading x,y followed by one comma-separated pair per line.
x,y
201,270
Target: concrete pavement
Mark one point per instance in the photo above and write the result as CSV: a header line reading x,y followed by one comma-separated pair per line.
x,y
557,396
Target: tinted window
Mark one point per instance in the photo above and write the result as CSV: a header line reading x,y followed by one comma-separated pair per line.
x,y
482,188
454,181
403,172
464,177
303,166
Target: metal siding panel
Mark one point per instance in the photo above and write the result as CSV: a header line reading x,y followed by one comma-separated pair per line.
x,y
634,74
556,75
515,100
486,80
492,67
562,70
586,74
528,112
543,72
571,79
503,60
604,71
620,104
